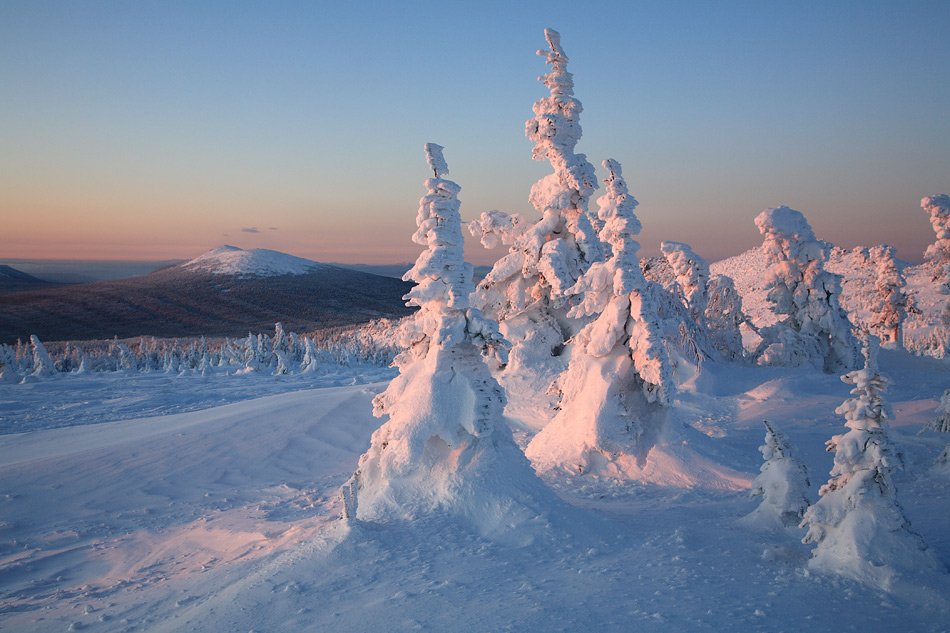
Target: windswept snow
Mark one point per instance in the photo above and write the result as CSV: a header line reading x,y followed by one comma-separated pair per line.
x,y
257,262
225,520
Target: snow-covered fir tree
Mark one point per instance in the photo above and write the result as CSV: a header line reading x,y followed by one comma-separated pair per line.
x,y
941,420
813,329
692,276
937,254
527,290
857,526
782,483
9,372
445,448
890,306
620,379
43,365
724,317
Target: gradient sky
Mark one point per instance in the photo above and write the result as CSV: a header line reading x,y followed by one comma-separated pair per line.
x,y
151,130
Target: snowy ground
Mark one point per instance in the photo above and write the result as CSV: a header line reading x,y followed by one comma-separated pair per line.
x,y
225,518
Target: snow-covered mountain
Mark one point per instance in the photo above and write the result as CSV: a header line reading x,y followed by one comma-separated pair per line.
x,y
257,262
225,292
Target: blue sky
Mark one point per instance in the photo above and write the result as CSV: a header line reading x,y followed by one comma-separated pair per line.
x,y
161,129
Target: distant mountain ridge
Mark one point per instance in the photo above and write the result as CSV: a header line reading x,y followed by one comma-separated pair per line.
x,y
13,280
225,292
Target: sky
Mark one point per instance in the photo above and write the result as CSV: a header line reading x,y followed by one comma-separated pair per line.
x,y
157,130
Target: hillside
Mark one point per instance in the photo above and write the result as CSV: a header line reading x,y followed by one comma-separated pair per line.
x,y
13,280
225,292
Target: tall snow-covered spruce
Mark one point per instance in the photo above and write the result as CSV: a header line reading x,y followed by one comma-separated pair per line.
x,y
858,527
445,448
814,329
527,291
620,380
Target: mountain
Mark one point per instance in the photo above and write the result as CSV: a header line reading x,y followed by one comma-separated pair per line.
x,y
258,262
13,280
224,292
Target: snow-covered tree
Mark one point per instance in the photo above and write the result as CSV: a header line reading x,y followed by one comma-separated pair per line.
x,y
941,421
692,276
724,317
814,328
309,364
782,483
445,447
527,290
890,306
8,365
620,378
938,253
43,365
858,527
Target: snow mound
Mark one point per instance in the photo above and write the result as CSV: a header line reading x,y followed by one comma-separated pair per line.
x,y
256,262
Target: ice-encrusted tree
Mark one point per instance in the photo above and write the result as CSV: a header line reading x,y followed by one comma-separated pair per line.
x,y
8,365
445,447
813,329
941,420
527,290
857,526
782,483
938,253
890,306
724,317
619,380
692,276
43,365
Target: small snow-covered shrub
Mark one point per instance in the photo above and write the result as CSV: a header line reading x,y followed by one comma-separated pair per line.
x,y
782,483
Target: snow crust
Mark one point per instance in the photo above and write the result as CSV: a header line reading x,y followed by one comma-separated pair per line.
x,y
257,262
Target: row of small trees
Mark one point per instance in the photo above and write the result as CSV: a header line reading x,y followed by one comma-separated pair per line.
x,y
277,354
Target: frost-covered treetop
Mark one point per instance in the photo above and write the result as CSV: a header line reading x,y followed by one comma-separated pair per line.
x,y
866,410
620,228
692,274
788,236
440,272
556,125
555,130
775,446
436,159
620,274
939,209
